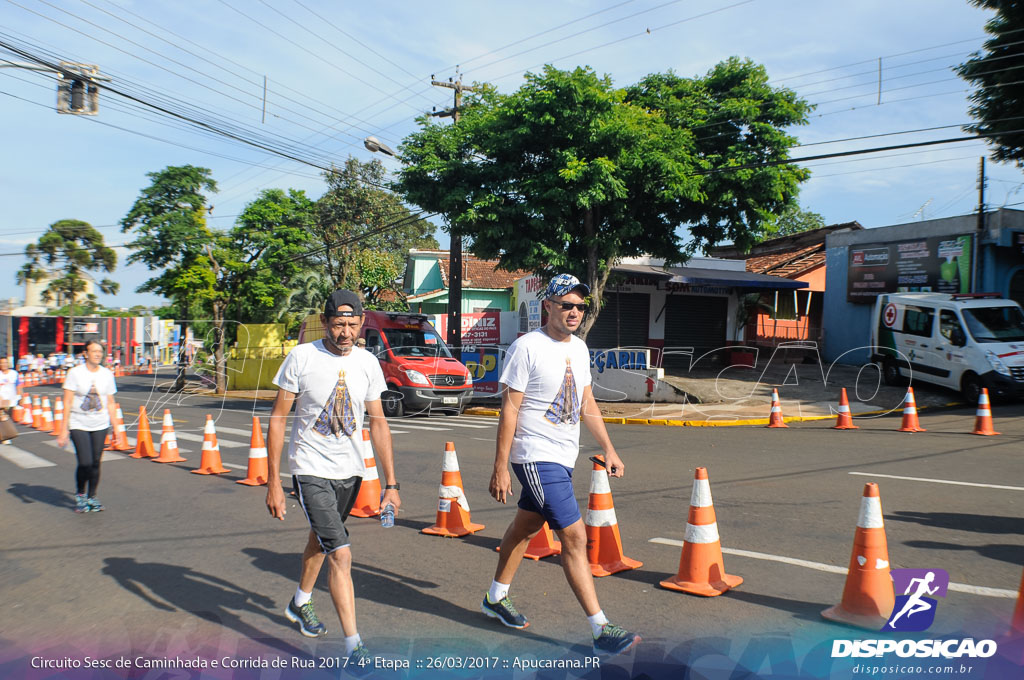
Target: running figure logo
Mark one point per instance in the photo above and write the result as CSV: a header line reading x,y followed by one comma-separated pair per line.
x,y
338,415
913,610
565,409
91,401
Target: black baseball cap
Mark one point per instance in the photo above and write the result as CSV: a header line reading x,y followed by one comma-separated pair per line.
x,y
340,298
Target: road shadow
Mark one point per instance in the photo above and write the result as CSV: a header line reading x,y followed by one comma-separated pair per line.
x,y
801,609
1003,552
982,524
170,588
385,587
36,493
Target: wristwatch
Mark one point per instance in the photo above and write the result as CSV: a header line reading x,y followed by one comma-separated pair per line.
x,y
396,486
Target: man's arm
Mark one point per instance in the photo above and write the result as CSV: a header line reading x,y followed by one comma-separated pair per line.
x,y
501,481
380,435
591,415
275,444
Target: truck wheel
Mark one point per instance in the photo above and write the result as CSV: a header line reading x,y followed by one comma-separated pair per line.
x,y
891,373
970,388
391,401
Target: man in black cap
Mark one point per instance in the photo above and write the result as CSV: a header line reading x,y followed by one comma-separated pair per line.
x,y
331,381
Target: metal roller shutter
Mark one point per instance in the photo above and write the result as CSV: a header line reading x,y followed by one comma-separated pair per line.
x,y
696,321
623,322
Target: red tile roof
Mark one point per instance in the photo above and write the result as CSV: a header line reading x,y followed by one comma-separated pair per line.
x,y
788,264
482,274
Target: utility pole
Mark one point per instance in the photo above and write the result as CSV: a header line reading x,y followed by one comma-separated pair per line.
x,y
454,338
981,222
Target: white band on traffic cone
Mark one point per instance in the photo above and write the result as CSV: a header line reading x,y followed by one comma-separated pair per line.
x,y
870,513
701,495
601,518
454,492
450,462
701,533
371,473
599,482
258,453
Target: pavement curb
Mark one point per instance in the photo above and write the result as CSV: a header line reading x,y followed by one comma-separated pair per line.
x,y
748,422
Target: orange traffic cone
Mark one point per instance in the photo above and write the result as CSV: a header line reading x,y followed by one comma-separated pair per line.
x,y
18,411
47,416
453,517
120,431
168,442
983,417
604,545
701,570
210,463
775,419
37,413
910,422
845,419
58,416
868,596
144,437
368,500
27,417
543,544
257,474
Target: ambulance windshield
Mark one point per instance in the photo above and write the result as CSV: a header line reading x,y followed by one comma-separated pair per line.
x,y
995,324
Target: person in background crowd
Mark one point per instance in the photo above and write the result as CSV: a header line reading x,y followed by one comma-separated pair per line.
x,y
10,386
89,402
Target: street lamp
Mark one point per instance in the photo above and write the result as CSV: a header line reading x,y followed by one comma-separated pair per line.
x,y
454,314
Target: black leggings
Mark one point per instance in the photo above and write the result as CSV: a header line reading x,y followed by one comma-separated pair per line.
x,y
89,449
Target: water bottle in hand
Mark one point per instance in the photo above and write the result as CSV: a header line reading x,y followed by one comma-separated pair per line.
x,y
387,516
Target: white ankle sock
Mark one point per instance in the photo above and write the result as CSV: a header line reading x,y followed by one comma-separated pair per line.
x,y
498,592
597,622
302,597
351,642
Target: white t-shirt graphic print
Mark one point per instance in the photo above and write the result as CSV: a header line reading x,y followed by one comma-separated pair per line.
x,y
326,439
552,376
89,405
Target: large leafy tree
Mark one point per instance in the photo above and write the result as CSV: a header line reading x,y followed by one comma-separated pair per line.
x,y
793,220
569,173
172,238
359,220
995,72
65,252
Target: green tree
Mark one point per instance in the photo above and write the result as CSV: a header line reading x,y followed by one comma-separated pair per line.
x,y
995,73
356,215
62,256
793,220
172,238
571,174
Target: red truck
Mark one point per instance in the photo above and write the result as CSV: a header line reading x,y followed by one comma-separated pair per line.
x,y
421,374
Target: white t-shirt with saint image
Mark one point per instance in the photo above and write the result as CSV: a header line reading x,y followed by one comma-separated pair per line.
x,y
552,376
327,439
89,404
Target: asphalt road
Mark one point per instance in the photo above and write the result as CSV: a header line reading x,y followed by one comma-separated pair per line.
x,y
183,565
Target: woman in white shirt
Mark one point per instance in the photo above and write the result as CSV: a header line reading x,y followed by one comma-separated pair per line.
x,y
89,402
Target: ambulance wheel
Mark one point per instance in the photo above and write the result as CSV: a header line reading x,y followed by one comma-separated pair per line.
x,y
970,387
891,373
391,401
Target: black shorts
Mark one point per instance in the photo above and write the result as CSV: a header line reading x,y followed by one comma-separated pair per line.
x,y
327,503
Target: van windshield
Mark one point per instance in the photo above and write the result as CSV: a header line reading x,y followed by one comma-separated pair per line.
x,y
415,343
995,324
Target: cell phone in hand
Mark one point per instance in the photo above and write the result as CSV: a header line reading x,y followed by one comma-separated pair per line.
x,y
595,459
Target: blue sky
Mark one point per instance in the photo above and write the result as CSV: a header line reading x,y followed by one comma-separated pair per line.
x,y
338,72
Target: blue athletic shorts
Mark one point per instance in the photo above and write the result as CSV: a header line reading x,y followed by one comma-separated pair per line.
x,y
547,491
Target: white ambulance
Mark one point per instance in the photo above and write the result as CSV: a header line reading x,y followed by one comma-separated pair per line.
x,y
964,342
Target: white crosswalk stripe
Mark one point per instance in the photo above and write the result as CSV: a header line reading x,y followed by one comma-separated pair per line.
x,y
23,458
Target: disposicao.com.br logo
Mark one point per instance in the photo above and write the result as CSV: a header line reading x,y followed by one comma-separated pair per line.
x,y
914,611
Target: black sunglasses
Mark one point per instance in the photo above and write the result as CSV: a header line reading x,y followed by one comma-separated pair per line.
x,y
566,306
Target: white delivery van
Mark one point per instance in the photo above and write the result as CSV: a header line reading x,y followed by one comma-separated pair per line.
x,y
961,341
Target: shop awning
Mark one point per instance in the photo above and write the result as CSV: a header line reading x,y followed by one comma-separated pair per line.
x,y
699,276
